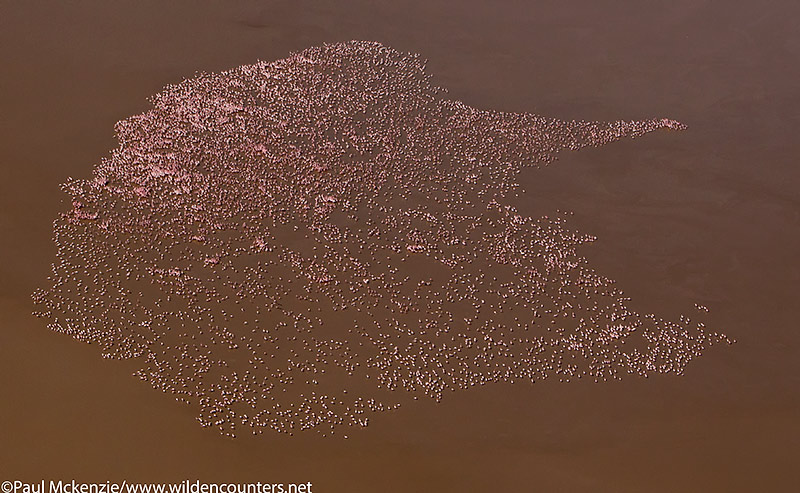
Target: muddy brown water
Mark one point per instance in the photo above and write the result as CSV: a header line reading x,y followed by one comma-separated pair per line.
x,y
709,215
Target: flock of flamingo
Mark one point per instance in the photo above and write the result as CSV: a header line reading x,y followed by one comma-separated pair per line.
x,y
301,244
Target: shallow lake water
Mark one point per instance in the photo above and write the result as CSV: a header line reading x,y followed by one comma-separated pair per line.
x,y
708,215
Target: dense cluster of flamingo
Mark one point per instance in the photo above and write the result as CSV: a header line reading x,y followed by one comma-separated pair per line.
x,y
300,244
